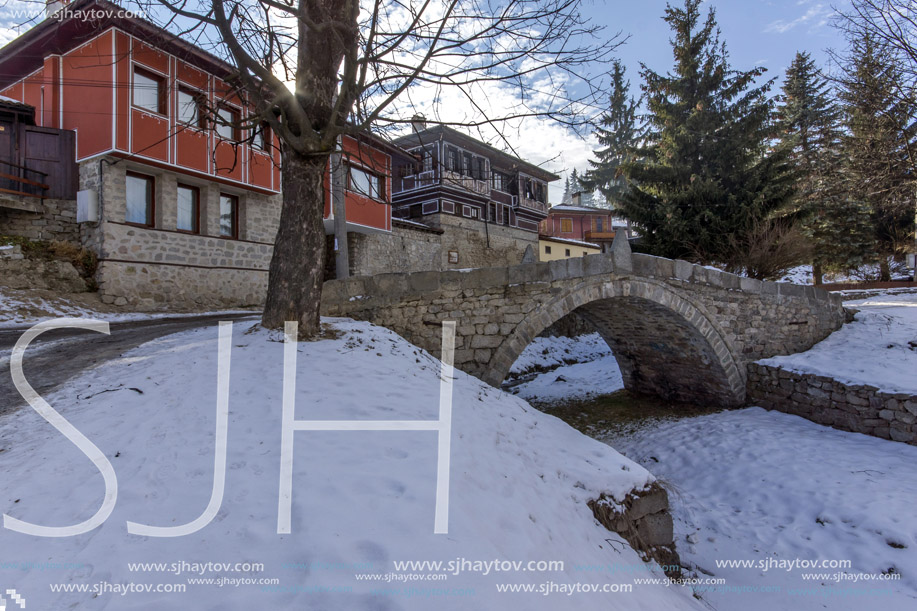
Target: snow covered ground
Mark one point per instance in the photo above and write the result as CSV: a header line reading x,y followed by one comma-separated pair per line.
x,y
360,502
20,308
878,348
572,368
756,495
767,489
803,274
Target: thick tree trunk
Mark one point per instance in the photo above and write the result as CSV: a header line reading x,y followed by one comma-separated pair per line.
x,y
817,274
885,274
294,291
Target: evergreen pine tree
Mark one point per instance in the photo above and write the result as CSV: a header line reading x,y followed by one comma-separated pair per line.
x,y
879,145
568,195
575,186
837,225
705,184
617,133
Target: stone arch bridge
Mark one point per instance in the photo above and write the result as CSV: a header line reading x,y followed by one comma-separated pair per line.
x,y
678,330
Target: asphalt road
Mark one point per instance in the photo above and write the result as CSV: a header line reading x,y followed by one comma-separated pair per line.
x,y
57,356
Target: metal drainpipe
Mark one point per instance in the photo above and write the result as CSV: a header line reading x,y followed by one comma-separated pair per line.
x,y
338,209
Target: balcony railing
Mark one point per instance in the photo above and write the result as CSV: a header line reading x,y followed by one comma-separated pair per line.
x,y
533,204
599,235
417,181
469,183
16,179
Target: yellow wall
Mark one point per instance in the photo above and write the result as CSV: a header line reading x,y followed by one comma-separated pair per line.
x,y
559,250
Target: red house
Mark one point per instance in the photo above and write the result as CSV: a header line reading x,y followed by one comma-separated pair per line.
x,y
180,204
583,223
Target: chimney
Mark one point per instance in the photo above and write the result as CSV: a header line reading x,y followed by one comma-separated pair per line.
x,y
419,122
576,198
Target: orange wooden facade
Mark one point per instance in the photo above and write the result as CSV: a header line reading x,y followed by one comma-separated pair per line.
x,y
363,211
89,89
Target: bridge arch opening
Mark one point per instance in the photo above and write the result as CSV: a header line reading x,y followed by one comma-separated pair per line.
x,y
664,344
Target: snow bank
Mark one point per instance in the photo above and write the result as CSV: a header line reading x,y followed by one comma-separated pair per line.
x,y
25,308
874,349
768,487
520,483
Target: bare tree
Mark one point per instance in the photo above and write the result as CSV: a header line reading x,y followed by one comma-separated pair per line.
x,y
315,70
893,23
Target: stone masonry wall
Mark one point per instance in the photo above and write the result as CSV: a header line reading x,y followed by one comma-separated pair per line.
x,y
469,238
151,267
56,221
848,407
406,249
725,319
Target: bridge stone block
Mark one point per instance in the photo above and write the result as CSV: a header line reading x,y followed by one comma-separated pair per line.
x,y
424,282
665,268
451,280
558,269
643,265
750,285
385,285
486,277
596,265
521,274
575,268
621,253
683,270
727,281
791,290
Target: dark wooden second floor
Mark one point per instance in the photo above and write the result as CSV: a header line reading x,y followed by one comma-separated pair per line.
x,y
445,162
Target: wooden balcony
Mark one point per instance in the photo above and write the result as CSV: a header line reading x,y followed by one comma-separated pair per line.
x,y
533,204
417,181
599,235
469,183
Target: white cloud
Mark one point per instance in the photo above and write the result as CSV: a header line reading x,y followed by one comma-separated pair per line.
x,y
816,16
537,139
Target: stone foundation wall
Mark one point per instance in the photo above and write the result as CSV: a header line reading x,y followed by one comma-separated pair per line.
x,y
149,268
147,286
55,221
848,407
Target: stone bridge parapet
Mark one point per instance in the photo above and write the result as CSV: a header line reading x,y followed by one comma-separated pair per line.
x,y
679,330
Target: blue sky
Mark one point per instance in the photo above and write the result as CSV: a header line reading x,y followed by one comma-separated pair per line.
x,y
757,32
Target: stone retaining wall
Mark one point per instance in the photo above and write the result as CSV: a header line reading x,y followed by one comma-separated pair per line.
x,y
408,248
645,521
56,221
479,244
848,407
20,273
